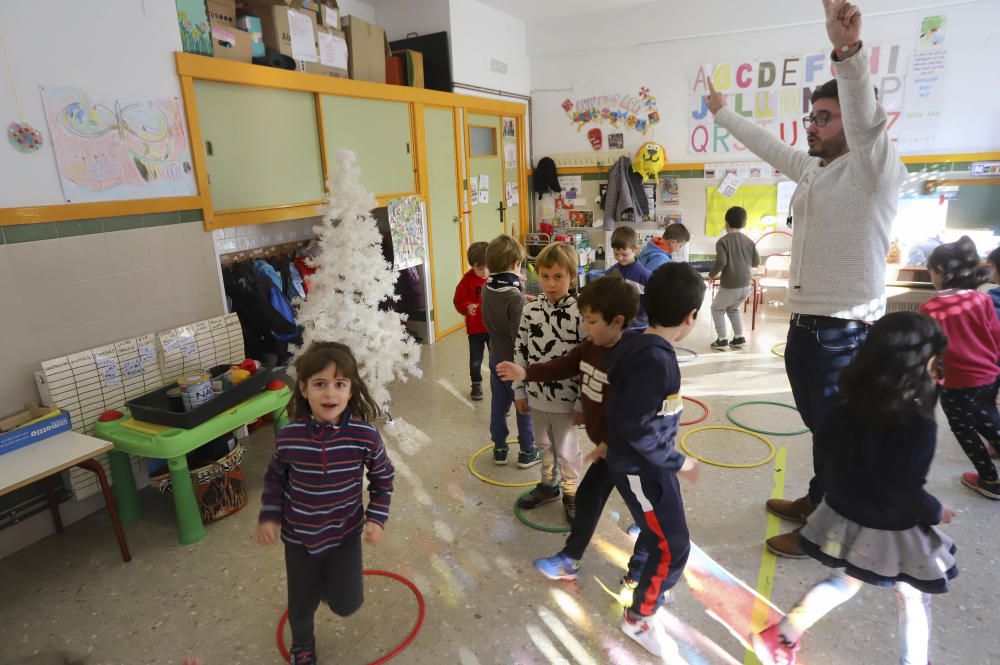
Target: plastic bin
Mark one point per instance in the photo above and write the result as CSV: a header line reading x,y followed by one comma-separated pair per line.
x,y
219,487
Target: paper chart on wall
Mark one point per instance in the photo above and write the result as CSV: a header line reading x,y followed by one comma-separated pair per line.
x,y
118,147
759,201
509,155
201,346
484,188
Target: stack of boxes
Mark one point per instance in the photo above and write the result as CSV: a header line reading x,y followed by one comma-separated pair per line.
x,y
311,34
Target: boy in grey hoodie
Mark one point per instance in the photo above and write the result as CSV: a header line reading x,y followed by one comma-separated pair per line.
x,y
550,328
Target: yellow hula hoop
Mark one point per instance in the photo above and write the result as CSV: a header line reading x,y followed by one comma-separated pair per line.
x,y
490,481
774,349
770,447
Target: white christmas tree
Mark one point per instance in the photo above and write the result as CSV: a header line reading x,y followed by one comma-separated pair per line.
x,y
351,281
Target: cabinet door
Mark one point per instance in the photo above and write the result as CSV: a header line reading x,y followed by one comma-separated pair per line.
x,y
261,145
379,134
443,219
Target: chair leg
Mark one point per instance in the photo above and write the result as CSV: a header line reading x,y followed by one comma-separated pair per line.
x,y
109,499
53,503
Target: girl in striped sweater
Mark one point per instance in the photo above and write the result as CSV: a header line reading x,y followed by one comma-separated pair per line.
x,y
313,486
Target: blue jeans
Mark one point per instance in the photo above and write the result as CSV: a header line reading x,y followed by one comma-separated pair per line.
x,y
501,399
478,343
818,348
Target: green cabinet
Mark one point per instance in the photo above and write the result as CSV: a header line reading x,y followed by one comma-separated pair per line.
x,y
261,145
379,134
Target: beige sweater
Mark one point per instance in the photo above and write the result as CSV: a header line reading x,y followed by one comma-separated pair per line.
x,y
842,212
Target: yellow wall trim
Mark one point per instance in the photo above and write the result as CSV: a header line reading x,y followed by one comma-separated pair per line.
x,y
66,212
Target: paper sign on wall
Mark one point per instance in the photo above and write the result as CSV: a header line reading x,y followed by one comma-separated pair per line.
x,y
729,185
332,50
484,188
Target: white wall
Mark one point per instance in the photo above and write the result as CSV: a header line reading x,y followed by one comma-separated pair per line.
x,y
362,10
480,33
657,46
401,17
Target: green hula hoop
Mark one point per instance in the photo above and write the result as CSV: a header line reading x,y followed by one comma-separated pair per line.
x,y
538,527
729,414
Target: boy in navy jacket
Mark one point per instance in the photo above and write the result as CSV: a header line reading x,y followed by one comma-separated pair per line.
x,y
644,411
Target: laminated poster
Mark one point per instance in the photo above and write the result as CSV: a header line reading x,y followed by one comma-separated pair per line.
x,y
406,224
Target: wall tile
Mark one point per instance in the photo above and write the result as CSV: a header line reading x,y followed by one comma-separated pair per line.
x,y
29,232
81,227
29,263
128,251
13,324
186,216
90,257
123,223
159,219
6,271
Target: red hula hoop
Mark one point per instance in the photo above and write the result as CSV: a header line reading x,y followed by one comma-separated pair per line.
x,y
704,407
280,637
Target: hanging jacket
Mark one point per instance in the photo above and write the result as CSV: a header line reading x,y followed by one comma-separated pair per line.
x,y
625,192
545,178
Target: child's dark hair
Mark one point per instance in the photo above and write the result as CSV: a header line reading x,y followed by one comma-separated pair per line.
x,y
994,259
673,290
477,254
960,264
317,358
610,296
889,373
677,232
624,237
736,217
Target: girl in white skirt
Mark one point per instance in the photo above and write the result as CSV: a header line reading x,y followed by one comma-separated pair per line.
x,y
876,524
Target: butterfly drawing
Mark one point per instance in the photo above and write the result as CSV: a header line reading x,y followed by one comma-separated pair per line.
x,y
143,121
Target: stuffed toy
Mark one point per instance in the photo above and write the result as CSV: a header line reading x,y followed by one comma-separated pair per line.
x,y
650,159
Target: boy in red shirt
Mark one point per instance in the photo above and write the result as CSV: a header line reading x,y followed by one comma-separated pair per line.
x,y
468,298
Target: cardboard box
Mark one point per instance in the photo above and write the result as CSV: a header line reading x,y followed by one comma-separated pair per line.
x,y
333,57
322,70
37,423
282,28
192,19
251,25
413,67
231,43
329,13
367,48
222,12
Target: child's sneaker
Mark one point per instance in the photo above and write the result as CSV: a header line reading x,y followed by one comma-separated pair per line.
x,y
633,531
528,459
558,567
720,344
569,506
500,455
477,391
990,490
772,648
304,654
738,342
539,496
648,633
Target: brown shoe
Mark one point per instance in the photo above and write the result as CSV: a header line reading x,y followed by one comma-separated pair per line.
x,y
787,545
793,511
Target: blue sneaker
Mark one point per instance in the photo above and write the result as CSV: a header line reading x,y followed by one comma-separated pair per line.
x,y
558,567
633,531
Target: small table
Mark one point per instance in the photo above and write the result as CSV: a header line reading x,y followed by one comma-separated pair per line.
x,y
42,460
173,445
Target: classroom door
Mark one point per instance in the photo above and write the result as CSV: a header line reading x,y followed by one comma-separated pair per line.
x,y
484,190
443,220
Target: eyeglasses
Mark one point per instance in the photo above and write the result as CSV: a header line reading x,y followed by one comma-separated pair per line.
x,y
819,119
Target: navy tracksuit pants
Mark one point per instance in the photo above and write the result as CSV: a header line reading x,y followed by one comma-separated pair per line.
x,y
653,496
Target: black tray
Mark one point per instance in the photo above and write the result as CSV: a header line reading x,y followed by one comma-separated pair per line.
x,y
154,407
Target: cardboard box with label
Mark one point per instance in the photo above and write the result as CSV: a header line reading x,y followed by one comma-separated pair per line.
x,y
32,425
231,43
222,12
332,47
367,49
329,14
286,28
251,25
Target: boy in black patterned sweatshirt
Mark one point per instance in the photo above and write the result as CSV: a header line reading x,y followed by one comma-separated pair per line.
x,y
550,328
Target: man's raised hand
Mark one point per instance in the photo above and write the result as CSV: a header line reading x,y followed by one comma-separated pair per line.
x,y
715,100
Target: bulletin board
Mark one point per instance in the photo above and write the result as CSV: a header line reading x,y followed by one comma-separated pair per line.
x,y
760,202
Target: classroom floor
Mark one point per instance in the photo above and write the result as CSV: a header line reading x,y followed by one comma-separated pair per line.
x,y
70,599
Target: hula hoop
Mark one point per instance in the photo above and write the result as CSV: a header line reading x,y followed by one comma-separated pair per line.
x,y
490,481
392,654
770,447
688,359
729,414
774,349
538,527
704,407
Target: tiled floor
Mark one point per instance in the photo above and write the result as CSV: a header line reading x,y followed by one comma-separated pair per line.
x,y
70,599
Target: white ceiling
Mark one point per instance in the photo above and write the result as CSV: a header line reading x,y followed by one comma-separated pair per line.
x,y
541,10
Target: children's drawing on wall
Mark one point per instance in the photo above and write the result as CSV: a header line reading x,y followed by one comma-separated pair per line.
x,y
474,190
571,186
484,188
667,217
932,31
196,35
509,155
508,128
406,223
626,111
581,218
670,190
596,138
117,148
510,194
616,141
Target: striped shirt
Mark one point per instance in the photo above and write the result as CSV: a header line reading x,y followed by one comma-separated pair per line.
x,y
314,482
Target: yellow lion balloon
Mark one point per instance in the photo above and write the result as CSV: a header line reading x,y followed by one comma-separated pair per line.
x,y
650,159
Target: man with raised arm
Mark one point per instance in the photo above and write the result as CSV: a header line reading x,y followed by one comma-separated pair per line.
x,y
842,211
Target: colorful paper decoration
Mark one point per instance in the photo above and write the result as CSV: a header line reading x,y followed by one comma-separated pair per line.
x,y
24,138
596,138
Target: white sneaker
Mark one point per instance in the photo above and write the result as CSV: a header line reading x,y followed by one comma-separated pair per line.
x,y
649,634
